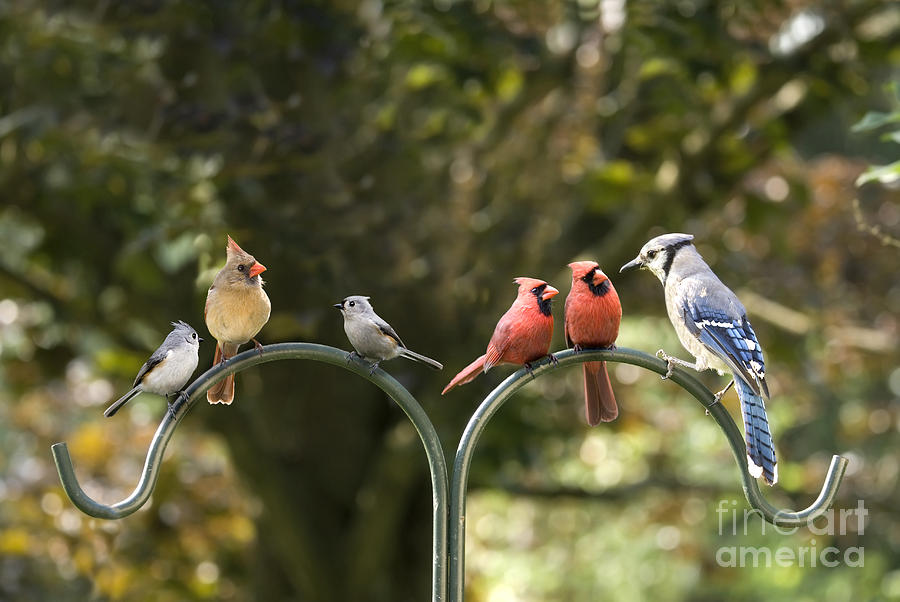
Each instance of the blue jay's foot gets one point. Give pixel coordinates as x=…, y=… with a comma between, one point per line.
x=671, y=362
x=258, y=346
x=374, y=367
x=718, y=396
x=552, y=359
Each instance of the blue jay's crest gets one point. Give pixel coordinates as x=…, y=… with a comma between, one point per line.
x=732, y=340
x=665, y=241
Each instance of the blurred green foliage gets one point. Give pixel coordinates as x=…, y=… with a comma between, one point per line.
x=426, y=154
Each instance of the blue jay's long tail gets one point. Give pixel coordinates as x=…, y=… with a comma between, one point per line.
x=760, y=447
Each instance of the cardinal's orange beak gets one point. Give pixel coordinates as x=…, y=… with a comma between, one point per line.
x=256, y=269
x=599, y=277
x=549, y=293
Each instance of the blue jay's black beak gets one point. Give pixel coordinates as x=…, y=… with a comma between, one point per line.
x=632, y=265
x=338, y=305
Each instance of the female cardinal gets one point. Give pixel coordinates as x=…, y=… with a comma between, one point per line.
x=593, y=313
x=237, y=308
x=522, y=335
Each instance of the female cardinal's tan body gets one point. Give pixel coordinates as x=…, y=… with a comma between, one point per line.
x=237, y=308
x=593, y=313
x=522, y=335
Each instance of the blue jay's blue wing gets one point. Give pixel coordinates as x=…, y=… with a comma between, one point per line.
x=731, y=339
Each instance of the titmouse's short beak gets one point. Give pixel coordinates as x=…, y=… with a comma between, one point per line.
x=338, y=306
x=256, y=269
x=199, y=339
x=549, y=293
x=632, y=265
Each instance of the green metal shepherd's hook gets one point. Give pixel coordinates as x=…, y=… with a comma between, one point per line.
x=437, y=463
x=448, y=520
x=506, y=389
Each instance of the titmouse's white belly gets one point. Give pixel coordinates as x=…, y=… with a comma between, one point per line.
x=368, y=340
x=172, y=373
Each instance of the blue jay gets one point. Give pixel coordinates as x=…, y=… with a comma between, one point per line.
x=712, y=325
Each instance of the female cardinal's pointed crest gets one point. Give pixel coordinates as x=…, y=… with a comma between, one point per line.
x=233, y=247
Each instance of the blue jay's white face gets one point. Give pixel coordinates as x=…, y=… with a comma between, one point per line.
x=654, y=257
x=658, y=254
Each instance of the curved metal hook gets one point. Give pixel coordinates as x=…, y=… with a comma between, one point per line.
x=506, y=389
x=437, y=463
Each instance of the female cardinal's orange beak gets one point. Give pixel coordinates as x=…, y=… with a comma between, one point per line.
x=256, y=269
x=549, y=293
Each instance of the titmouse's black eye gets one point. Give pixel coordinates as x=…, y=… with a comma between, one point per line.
x=352, y=303
x=651, y=254
x=194, y=335
x=241, y=268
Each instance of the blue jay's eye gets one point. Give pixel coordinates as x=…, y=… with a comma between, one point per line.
x=352, y=303
x=651, y=254
x=241, y=268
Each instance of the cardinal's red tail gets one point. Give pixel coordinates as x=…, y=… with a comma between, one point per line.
x=599, y=400
x=467, y=374
x=222, y=391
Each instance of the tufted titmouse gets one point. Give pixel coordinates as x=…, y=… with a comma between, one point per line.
x=237, y=308
x=168, y=369
x=372, y=337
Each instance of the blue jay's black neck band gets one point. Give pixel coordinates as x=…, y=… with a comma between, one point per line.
x=670, y=255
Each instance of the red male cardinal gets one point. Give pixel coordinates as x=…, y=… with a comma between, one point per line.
x=522, y=335
x=593, y=313
x=237, y=308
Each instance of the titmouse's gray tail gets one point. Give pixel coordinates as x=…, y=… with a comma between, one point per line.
x=421, y=358
x=121, y=401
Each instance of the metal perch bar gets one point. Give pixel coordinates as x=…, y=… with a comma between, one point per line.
x=448, y=520
x=506, y=389
x=282, y=351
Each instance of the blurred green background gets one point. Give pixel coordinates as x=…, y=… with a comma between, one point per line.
x=426, y=154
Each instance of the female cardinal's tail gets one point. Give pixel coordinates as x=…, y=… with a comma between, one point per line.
x=223, y=391
x=467, y=374
x=599, y=400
